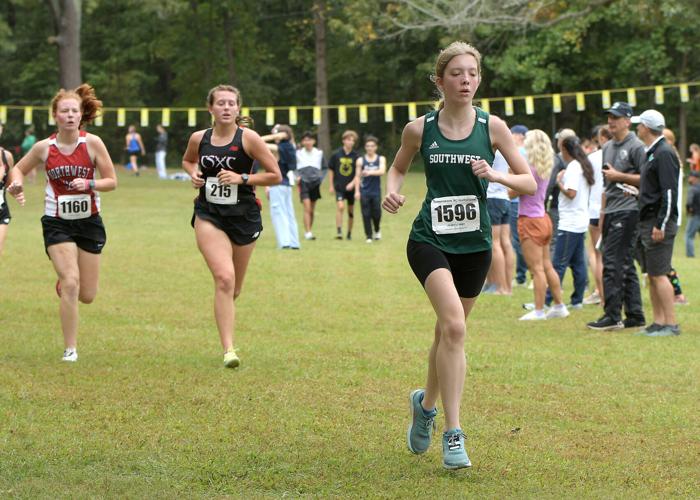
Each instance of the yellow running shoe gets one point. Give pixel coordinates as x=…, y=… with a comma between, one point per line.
x=231, y=359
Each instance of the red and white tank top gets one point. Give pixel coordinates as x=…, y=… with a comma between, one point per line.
x=62, y=201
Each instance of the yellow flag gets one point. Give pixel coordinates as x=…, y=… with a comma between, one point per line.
x=388, y=113
x=363, y=113
x=99, y=119
x=50, y=116
x=121, y=117
x=342, y=114
x=144, y=117
x=685, y=96
x=317, y=115
x=269, y=116
x=165, y=117
x=28, y=111
x=509, y=106
x=436, y=104
x=293, y=115
x=245, y=112
x=530, y=105
x=580, y=101
x=191, y=117
x=659, y=94
x=412, y=113
x=631, y=97
x=485, y=105
x=556, y=103
x=3, y=114
x=606, y=99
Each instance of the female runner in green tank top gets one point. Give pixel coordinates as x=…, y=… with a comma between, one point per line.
x=449, y=246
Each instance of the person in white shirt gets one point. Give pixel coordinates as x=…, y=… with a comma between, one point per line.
x=595, y=257
x=499, y=280
x=309, y=170
x=575, y=186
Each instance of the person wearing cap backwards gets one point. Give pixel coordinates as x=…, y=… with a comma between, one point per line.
x=623, y=157
x=658, y=216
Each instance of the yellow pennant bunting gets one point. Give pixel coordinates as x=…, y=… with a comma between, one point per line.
x=165, y=117
x=245, y=112
x=317, y=115
x=685, y=96
x=606, y=99
x=363, y=113
x=144, y=117
x=530, y=105
x=632, y=97
x=51, y=120
x=28, y=111
x=388, y=113
x=485, y=105
x=412, y=113
x=293, y=115
x=436, y=104
x=269, y=116
x=659, y=94
x=342, y=114
x=191, y=117
x=121, y=117
x=509, y=106
x=556, y=103
x=580, y=101
x=3, y=114
x=99, y=119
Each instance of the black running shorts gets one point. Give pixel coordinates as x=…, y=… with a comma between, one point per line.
x=240, y=229
x=468, y=270
x=89, y=233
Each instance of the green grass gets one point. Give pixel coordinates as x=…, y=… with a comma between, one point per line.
x=332, y=339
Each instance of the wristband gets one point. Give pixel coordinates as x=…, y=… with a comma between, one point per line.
x=91, y=184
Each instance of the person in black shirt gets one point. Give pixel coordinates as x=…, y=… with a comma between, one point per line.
x=658, y=216
x=692, y=206
x=342, y=181
x=226, y=217
x=6, y=164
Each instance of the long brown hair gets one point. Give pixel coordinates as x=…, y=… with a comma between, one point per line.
x=90, y=105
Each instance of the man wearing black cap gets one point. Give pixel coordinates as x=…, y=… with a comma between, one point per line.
x=623, y=157
x=658, y=217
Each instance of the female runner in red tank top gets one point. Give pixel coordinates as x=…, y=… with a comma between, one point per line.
x=73, y=231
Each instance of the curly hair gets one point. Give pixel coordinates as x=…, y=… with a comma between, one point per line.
x=540, y=154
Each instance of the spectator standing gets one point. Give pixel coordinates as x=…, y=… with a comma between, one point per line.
x=161, y=150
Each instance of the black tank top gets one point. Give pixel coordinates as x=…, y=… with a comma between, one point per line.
x=224, y=199
x=3, y=180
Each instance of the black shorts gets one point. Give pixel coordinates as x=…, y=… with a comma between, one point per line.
x=307, y=193
x=5, y=216
x=468, y=270
x=240, y=229
x=655, y=257
x=89, y=234
x=343, y=194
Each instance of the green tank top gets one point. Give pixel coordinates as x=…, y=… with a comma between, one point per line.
x=453, y=216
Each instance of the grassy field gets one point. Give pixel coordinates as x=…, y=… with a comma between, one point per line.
x=332, y=339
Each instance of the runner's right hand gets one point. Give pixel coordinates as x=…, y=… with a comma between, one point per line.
x=392, y=202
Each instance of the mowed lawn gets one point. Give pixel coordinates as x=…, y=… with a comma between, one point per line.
x=332, y=339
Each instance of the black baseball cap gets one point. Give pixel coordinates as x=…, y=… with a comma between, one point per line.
x=620, y=108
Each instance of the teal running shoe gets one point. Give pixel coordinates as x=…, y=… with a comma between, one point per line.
x=422, y=426
x=454, y=456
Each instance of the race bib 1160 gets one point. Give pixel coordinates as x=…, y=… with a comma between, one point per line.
x=221, y=194
x=455, y=214
x=74, y=206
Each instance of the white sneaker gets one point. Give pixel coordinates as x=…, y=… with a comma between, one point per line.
x=577, y=307
x=558, y=311
x=531, y=286
x=309, y=236
x=534, y=315
x=70, y=355
x=592, y=299
x=378, y=235
x=368, y=240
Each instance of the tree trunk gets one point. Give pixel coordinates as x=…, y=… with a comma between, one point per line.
x=66, y=18
x=324, y=133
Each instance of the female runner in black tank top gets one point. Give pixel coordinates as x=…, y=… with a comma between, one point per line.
x=226, y=216
x=6, y=163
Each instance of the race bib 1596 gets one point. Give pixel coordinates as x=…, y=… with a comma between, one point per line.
x=74, y=206
x=221, y=194
x=455, y=214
